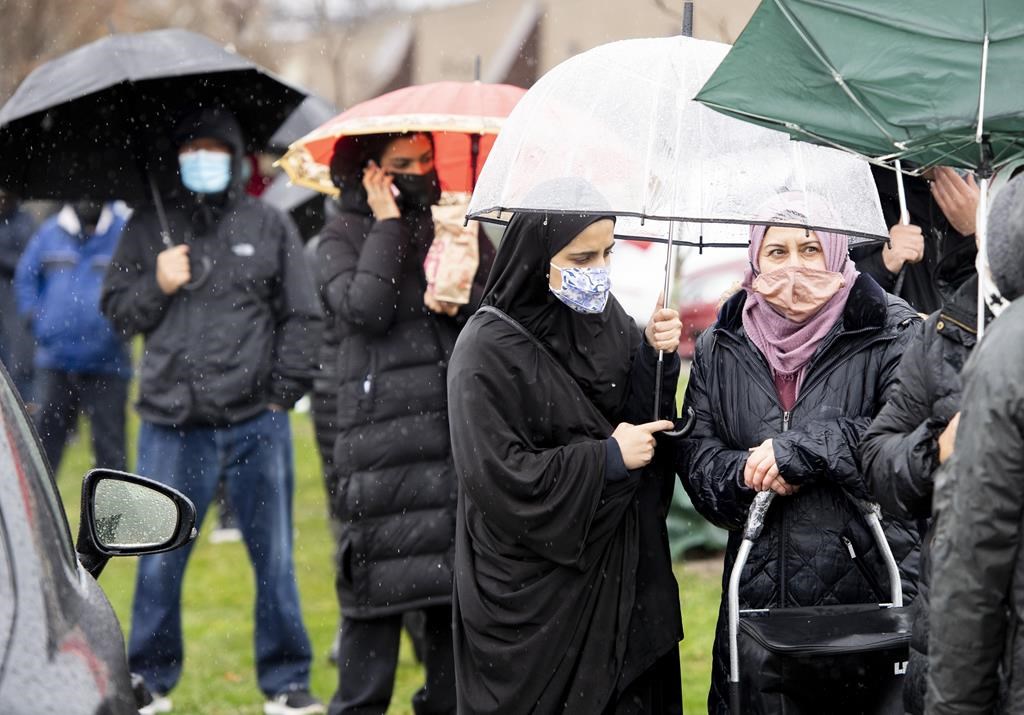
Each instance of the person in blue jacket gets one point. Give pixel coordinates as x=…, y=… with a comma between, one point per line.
x=81, y=364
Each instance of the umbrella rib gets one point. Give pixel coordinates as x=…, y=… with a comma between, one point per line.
x=999, y=158
x=834, y=72
x=481, y=215
x=984, y=74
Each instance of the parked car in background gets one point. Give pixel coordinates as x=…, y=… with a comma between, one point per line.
x=61, y=647
x=703, y=282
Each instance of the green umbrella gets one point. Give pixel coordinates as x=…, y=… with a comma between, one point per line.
x=933, y=82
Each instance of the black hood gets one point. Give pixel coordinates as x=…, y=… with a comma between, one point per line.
x=221, y=125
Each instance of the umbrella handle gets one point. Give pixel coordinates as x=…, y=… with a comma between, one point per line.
x=686, y=429
x=203, y=277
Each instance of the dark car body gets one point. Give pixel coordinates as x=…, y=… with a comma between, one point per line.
x=61, y=647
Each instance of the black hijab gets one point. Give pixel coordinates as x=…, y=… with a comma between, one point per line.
x=596, y=350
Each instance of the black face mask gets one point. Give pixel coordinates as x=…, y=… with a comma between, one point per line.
x=417, y=190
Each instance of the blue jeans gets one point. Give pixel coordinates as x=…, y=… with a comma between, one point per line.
x=255, y=459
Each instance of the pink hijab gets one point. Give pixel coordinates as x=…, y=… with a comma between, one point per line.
x=789, y=346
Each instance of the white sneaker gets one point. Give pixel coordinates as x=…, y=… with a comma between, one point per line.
x=160, y=704
x=225, y=535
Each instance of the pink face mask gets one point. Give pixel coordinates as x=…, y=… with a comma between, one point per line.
x=798, y=293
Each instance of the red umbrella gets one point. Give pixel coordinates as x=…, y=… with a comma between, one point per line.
x=464, y=118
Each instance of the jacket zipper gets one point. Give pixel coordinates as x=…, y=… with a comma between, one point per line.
x=786, y=416
x=864, y=571
x=957, y=323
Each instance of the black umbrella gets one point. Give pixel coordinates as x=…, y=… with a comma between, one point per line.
x=313, y=112
x=306, y=207
x=96, y=122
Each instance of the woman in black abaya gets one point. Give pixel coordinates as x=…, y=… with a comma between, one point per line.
x=565, y=601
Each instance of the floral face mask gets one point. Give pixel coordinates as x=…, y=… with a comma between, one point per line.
x=585, y=290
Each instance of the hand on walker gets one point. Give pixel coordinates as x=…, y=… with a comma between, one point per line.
x=636, y=442
x=664, y=327
x=761, y=473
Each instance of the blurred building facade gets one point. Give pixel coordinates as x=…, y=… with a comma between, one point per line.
x=513, y=41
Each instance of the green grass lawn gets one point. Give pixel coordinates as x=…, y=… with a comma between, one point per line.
x=219, y=676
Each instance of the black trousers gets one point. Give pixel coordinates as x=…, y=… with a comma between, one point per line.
x=368, y=656
x=63, y=395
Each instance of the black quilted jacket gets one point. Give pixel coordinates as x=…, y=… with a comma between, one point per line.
x=803, y=556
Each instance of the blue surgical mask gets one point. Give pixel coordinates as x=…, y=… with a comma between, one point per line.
x=585, y=290
x=205, y=172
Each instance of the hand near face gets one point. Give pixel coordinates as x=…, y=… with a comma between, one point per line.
x=958, y=198
x=379, y=196
x=664, y=327
x=761, y=473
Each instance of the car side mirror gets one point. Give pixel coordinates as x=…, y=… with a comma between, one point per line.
x=124, y=515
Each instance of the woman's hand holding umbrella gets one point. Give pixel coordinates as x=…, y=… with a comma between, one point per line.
x=380, y=192
x=664, y=328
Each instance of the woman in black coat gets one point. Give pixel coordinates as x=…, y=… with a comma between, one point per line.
x=565, y=601
x=395, y=489
x=783, y=385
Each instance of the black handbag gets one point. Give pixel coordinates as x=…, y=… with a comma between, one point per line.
x=845, y=659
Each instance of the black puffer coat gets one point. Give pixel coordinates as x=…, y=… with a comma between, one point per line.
x=802, y=558
x=325, y=391
x=396, y=488
x=900, y=450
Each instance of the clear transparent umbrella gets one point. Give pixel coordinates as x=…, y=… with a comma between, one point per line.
x=620, y=118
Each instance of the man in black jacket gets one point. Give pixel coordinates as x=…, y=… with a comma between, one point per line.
x=975, y=643
x=914, y=434
x=227, y=307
